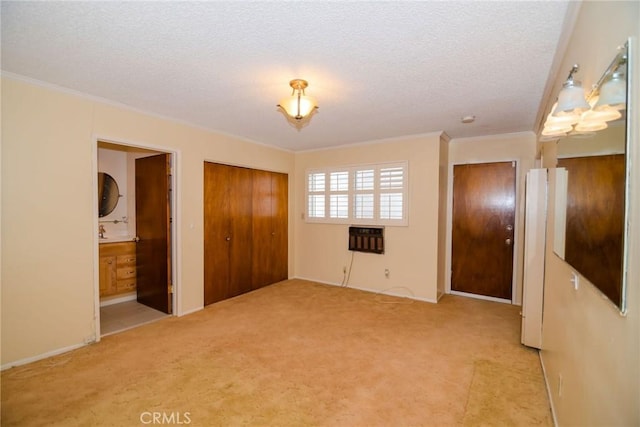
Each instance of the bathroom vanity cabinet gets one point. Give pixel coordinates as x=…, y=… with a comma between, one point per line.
x=117, y=268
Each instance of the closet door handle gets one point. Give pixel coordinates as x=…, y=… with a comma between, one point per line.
x=228, y=238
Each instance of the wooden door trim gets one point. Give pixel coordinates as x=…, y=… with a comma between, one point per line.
x=517, y=244
x=176, y=236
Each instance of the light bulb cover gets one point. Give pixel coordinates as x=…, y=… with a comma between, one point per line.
x=556, y=131
x=613, y=94
x=602, y=115
x=561, y=120
x=571, y=100
x=591, y=126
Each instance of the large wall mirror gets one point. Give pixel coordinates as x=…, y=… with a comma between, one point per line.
x=592, y=213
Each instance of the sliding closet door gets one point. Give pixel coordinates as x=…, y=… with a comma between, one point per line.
x=240, y=230
x=261, y=255
x=270, y=228
x=280, y=223
x=245, y=230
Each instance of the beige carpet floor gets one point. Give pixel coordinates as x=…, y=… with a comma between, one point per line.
x=295, y=353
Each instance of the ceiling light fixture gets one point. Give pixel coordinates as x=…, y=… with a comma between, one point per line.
x=298, y=105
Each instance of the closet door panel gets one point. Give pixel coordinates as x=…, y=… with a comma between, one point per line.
x=280, y=224
x=216, y=232
x=240, y=212
x=261, y=259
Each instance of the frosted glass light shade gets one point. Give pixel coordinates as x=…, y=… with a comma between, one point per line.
x=603, y=115
x=556, y=130
x=590, y=126
x=571, y=100
x=613, y=94
x=569, y=119
x=298, y=106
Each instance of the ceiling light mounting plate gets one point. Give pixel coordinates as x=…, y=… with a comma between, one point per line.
x=298, y=84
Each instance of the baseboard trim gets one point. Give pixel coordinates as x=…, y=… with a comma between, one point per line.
x=42, y=356
x=546, y=383
x=193, y=310
x=374, y=291
x=118, y=300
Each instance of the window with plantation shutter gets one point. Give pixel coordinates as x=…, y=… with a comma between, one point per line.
x=363, y=199
x=391, y=193
x=339, y=195
x=316, y=195
x=374, y=194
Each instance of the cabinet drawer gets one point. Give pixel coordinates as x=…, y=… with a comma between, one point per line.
x=126, y=285
x=125, y=260
x=115, y=249
x=126, y=272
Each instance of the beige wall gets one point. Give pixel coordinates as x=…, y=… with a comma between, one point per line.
x=587, y=345
x=411, y=252
x=519, y=147
x=49, y=246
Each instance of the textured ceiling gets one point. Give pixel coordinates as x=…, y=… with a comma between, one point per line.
x=378, y=69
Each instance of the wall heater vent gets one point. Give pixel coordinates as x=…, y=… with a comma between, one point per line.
x=366, y=239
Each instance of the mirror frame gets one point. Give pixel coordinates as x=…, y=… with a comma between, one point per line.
x=108, y=194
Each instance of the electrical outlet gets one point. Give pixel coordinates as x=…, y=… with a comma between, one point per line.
x=386, y=273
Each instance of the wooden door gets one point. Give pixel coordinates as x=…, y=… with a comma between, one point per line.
x=227, y=231
x=595, y=219
x=216, y=232
x=240, y=220
x=270, y=228
x=280, y=224
x=153, y=228
x=483, y=229
x=262, y=229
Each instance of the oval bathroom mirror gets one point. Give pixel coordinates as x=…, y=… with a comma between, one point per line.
x=108, y=194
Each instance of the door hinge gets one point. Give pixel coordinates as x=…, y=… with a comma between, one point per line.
x=170, y=288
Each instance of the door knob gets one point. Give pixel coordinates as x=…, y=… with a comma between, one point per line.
x=228, y=238
x=507, y=242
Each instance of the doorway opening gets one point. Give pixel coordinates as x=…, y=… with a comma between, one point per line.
x=135, y=236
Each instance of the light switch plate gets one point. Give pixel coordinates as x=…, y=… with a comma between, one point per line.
x=575, y=279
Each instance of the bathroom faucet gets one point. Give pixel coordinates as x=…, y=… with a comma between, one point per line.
x=101, y=231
